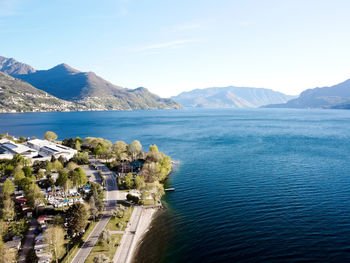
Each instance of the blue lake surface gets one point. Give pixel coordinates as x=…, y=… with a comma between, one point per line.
x=262, y=185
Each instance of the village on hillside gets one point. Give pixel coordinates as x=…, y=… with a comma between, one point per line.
x=55, y=193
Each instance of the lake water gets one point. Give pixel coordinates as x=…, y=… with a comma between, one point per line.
x=258, y=185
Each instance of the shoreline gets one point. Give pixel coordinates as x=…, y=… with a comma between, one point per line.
x=140, y=222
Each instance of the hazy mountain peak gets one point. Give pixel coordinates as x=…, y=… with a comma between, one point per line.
x=327, y=97
x=230, y=97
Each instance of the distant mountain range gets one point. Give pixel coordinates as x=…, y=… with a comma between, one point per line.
x=230, y=97
x=85, y=89
x=333, y=97
x=63, y=88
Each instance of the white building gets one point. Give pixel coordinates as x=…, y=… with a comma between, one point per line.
x=38, y=149
x=47, y=149
x=9, y=148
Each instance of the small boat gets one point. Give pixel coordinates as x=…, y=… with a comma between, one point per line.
x=169, y=189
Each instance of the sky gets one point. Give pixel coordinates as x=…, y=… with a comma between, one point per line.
x=174, y=46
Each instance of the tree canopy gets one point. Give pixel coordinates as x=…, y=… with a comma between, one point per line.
x=50, y=136
x=34, y=195
x=128, y=180
x=78, y=177
x=120, y=150
x=135, y=148
x=54, y=238
x=77, y=218
x=8, y=188
x=93, y=142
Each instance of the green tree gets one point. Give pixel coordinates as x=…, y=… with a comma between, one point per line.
x=153, y=148
x=18, y=174
x=129, y=183
x=68, y=142
x=27, y=171
x=63, y=180
x=17, y=159
x=96, y=199
x=8, y=188
x=3, y=228
x=139, y=182
x=81, y=158
x=25, y=183
x=165, y=167
x=78, y=139
x=135, y=148
x=8, y=209
x=41, y=174
x=98, y=150
x=57, y=220
x=54, y=238
x=50, y=136
x=7, y=255
x=159, y=191
x=93, y=209
x=34, y=196
x=61, y=159
x=78, y=177
x=120, y=150
x=54, y=166
x=93, y=142
x=71, y=166
x=8, y=169
x=105, y=238
x=77, y=218
x=18, y=228
x=150, y=171
x=77, y=145
x=21, y=139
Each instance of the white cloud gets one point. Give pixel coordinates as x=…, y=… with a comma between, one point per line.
x=165, y=45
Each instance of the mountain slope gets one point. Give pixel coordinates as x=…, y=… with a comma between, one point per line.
x=337, y=96
x=11, y=66
x=92, y=91
x=85, y=88
x=230, y=97
x=19, y=96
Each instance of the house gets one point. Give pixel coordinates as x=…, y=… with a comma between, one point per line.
x=44, y=219
x=43, y=257
x=14, y=244
x=8, y=149
x=48, y=149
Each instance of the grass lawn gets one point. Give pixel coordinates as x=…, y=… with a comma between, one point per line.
x=148, y=202
x=109, y=250
x=75, y=248
x=112, y=224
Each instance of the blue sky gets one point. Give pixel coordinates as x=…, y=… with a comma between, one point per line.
x=173, y=46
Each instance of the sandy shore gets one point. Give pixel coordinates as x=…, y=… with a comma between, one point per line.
x=139, y=224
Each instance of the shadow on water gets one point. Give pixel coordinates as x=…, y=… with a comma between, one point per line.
x=155, y=243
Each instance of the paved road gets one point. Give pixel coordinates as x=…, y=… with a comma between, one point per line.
x=92, y=174
x=127, y=243
x=28, y=243
x=111, y=198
